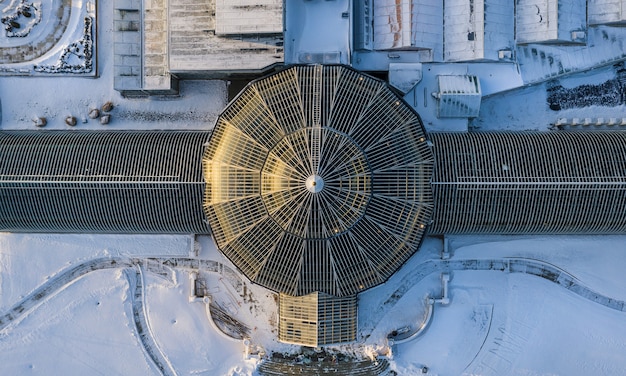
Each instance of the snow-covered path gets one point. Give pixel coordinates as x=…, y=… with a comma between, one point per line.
x=532, y=267
x=56, y=284
x=527, y=266
x=68, y=276
x=144, y=332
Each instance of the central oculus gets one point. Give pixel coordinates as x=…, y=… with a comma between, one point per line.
x=314, y=183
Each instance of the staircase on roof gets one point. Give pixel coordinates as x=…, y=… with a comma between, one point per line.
x=605, y=45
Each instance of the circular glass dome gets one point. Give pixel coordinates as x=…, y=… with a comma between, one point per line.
x=316, y=183
x=318, y=179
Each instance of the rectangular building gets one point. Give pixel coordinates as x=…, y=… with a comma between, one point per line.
x=611, y=12
x=478, y=29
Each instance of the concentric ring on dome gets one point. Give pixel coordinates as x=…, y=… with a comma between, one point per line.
x=315, y=194
x=318, y=179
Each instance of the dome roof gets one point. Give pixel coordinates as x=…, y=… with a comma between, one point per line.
x=318, y=179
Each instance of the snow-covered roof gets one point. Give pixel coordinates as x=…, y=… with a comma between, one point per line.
x=404, y=76
x=606, y=12
x=477, y=31
x=248, y=17
x=196, y=46
x=553, y=21
x=406, y=24
x=318, y=32
x=392, y=24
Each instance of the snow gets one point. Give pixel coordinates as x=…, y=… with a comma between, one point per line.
x=85, y=329
x=497, y=322
x=507, y=323
x=526, y=107
x=195, y=108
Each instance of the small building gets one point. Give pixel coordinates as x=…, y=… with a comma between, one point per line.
x=156, y=43
x=609, y=12
x=458, y=96
x=317, y=31
x=478, y=30
x=551, y=21
x=317, y=319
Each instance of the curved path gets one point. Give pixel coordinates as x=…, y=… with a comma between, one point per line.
x=152, y=349
x=413, y=332
x=58, y=283
x=510, y=265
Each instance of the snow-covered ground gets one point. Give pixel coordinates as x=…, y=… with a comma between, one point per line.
x=132, y=317
x=497, y=322
x=55, y=98
x=500, y=323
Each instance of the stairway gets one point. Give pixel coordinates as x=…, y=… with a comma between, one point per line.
x=127, y=46
x=141, y=48
x=156, y=76
x=605, y=45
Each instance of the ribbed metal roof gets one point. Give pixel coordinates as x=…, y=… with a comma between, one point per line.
x=102, y=181
x=529, y=183
x=318, y=180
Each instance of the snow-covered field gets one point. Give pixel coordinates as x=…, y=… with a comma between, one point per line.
x=500, y=323
x=137, y=318
x=497, y=323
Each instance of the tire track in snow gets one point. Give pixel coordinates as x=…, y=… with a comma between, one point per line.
x=65, y=278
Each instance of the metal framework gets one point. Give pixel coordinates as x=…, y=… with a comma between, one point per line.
x=318, y=179
x=317, y=319
x=529, y=183
x=101, y=182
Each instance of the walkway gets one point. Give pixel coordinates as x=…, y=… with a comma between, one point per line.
x=63, y=279
x=159, y=266
x=55, y=284
x=135, y=280
x=510, y=265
